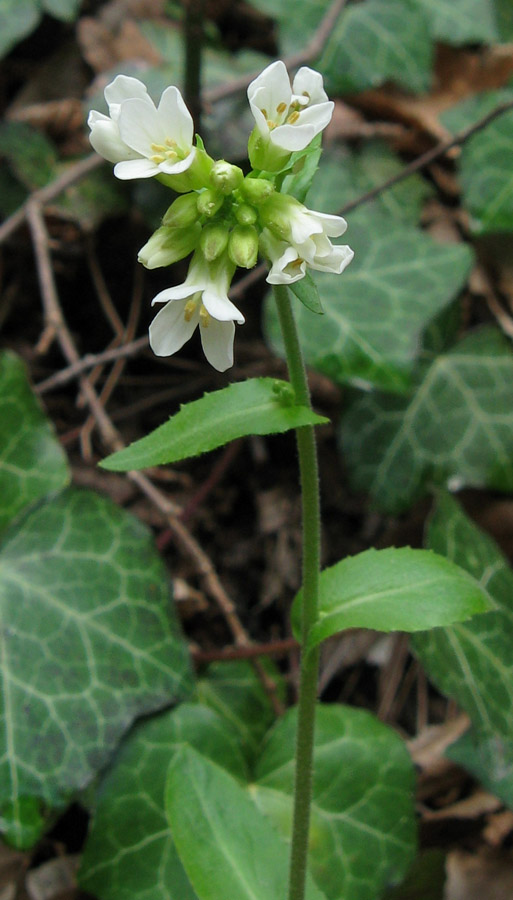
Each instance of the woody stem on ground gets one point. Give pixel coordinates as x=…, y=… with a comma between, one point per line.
x=193, y=39
x=307, y=452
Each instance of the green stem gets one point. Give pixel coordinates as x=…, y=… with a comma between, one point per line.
x=307, y=452
x=193, y=39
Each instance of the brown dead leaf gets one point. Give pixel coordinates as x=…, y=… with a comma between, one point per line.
x=50, y=880
x=484, y=876
x=104, y=47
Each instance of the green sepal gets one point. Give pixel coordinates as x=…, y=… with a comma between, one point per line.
x=306, y=291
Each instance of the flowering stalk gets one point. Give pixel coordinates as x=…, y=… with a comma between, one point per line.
x=311, y=521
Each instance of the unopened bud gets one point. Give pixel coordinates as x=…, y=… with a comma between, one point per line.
x=182, y=212
x=225, y=177
x=213, y=240
x=246, y=214
x=256, y=190
x=168, y=245
x=243, y=246
x=210, y=201
x=276, y=213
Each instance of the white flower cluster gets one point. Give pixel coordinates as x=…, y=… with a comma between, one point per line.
x=223, y=218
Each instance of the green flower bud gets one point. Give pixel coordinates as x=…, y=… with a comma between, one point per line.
x=243, y=246
x=213, y=240
x=246, y=214
x=225, y=177
x=276, y=213
x=182, y=212
x=210, y=201
x=168, y=245
x=256, y=190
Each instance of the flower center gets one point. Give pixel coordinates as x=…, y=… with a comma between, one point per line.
x=284, y=113
x=169, y=151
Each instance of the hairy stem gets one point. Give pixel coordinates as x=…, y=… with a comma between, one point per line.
x=307, y=452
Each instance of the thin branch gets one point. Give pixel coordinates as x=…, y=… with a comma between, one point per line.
x=273, y=648
x=75, y=172
x=312, y=50
x=89, y=362
x=427, y=158
x=112, y=439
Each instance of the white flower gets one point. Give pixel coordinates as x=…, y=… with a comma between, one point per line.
x=201, y=300
x=296, y=237
x=290, y=117
x=143, y=140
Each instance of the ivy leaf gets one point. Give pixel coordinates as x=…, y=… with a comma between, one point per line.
x=488, y=760
x=89, y=642
x=31, y=156
x=17, y=19
x=378, y=41
x=235, y=692
x=32, y=462
x=464, y=22
x=247, y=407
x=472, y=662
x=457, y=427
x=65, y=10
x=346, y=174
x=130, y=808
x=362, y=807
x=227, y=847
x=375, y=313
x=393, y=590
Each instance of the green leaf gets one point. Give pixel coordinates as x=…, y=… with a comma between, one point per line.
x=89, y=643
x=472, y=662
x=17, y=19
x=32, y=462
x=307, y=293
x=486, y=178
x=94, y=199
x=304, y=167
x=247, y=407
x=236, y=693
x=130, y=850
x=227, y=847
x=374, y=42
x=31, y=156
x=464, y=22
x=363, y=820
x=66, y=10
x=346, y=174
x=457, y=427
x=489, y=761
x=393, y=590
x=298, y=21
x=376, y=311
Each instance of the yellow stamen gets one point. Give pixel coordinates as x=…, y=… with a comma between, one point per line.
x=297, y=262
x=171, y=143
x=306, y=94
x=293, y=117
x=271, y=124
x=264, y=112
x=158, y=158
x=204, y=317
x=281, y=108
x=190, y=309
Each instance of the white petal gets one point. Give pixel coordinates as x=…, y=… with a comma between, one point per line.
x=124, y=88
x=181, y=166
x=221, y=308
x=175, y=118
x=319, y=116
x=140, y=127
x=260, y=120
x=275, y=84
x=105, y=139
x=333, y=226
x=177, y=293
x=282, y=272
x=336, y=262
x=169, y=330
x=217, y=341
x=309, y=81
x=303, y=226
x=293, y=137
x=135, y=168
